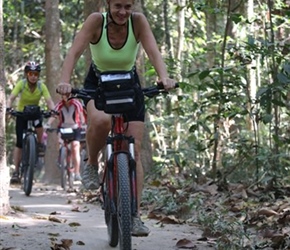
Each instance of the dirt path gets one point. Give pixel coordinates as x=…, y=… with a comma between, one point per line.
x=70, y=218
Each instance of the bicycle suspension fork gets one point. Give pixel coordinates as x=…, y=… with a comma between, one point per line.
x=110, y=172
x=133, y=176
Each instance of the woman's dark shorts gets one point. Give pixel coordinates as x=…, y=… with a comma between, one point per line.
x=21, y=125
x=77, y=136
x=91, y=82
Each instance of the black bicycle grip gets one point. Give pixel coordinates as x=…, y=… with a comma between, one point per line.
x=161, y=86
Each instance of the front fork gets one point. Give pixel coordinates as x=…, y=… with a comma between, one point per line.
x=110, y=174
x=24, y=156
x=133, y=177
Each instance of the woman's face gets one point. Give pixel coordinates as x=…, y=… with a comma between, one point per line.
x=121, y=10
x=32, y=76
x=64, y=98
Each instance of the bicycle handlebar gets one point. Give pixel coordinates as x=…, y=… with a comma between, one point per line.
x=148, y=92
x=156, y=90
x=44, y=113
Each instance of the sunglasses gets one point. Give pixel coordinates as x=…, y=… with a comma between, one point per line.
x=33, y=73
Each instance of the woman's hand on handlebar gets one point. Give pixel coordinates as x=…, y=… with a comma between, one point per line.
x=167, y=83
x=64, y=88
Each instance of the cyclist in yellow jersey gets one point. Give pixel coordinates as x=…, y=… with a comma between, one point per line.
x=30, y=91
x=114, y=38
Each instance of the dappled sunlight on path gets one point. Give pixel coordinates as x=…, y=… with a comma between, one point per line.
x=51, y=215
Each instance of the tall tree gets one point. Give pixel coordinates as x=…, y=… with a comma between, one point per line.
x=53, y=65
x=4, y=184
x=91, y=6
x=146, y=150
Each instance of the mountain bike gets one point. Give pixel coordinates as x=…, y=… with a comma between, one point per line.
x=31, y=114
x=119, y=182
x=64, y=156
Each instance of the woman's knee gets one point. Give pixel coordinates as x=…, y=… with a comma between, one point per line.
x=98, y=123
x=76, y=146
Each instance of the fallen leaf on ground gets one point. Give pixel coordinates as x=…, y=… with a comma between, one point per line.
x=54, y=219
x=171, y=220
x=76, y=209
x=54, y=234
x=18, y=208
x=185, y=243
x=2, y=217
x=85, y=210
x=16, y=226
x=55, y=213
x=267, y=212
x=40, y=217
x=64, y=245
x=152, y=215
x=209, y=232
x=74, y=224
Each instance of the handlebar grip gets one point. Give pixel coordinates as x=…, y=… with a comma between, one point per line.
x=161, y=86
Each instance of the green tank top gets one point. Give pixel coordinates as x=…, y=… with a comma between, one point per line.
x=107, y=58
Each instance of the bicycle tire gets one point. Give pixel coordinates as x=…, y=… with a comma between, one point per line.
x=70, y=170
x=31, y=154
x=71, y=178
x=63, y=167
x=124, y=202
x=83, y=155
x=110, y=213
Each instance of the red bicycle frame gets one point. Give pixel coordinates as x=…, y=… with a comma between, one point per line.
x=116, y=143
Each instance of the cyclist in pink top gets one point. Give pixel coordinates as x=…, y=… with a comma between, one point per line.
x=71, y=115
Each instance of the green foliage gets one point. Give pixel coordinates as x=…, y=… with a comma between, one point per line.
x=228, y=120
x=233, y=96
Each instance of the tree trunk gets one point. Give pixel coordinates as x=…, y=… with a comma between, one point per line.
x=180, y=48
x=4, y=171
x=53, y=65
x=91, y=6
x=146, y=149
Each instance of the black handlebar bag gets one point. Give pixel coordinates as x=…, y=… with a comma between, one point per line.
x=116, y=92
x=32, y=112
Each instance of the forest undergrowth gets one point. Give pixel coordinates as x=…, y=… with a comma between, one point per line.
x=232, y=215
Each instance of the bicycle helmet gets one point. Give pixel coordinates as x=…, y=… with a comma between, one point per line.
x=32, y=66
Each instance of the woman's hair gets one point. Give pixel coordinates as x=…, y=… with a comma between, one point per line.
x=137, y=6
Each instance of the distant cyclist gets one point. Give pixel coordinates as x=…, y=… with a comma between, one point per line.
x=30, y=90
x=71, y=115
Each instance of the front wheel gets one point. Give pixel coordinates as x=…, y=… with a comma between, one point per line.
x=83, y=156
x=110, y=209
x=30, y=162
x=124, y=202
x=63, y=167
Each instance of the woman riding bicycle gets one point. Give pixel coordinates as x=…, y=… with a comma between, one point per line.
x=71, y=115
x=114, y=38
x=30, y=91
